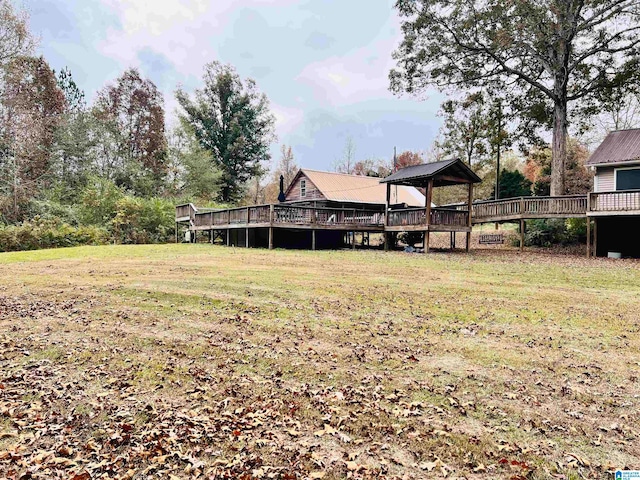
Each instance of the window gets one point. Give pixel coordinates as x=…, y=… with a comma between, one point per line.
x=303, y=188
x=628, y=179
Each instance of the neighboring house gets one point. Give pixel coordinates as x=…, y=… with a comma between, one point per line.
x=614, y=204
x=328, y=189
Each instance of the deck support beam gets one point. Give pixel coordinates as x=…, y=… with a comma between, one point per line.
x=228, y=235
x=522, y=227
x=469, y=213
x=246, y=239
x=427, y=201
x=272, y=216
x=588, y=237
x=386, y=217
x=595, y=237
x=313, y=239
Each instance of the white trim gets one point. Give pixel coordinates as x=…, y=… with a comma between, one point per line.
x=615, y=175
x=614, y=164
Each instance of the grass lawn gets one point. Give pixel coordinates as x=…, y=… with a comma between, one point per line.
x=184, y=360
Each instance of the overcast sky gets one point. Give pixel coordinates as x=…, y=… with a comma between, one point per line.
x=323, y=64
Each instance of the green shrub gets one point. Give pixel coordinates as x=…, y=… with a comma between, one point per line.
x=40, y=233
x=555, y=231
x=140, y=220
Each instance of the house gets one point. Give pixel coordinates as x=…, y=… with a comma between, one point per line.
x=338, y=190
x=614, y=204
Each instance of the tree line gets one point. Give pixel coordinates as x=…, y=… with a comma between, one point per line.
x=111, y=163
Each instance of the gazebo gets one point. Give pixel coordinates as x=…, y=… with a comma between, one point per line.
x=444, y=219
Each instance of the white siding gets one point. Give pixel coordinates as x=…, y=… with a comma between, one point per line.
x=604, y=180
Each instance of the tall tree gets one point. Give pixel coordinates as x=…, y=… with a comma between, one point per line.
x=467, y=128
x=133, y=142
x=31, y=108
x=75, y=143
x=73, y=94
x=557, y=51
x=15, y=38
x=196, y=178
x=232, y=121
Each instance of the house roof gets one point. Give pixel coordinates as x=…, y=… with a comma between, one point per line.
x=444, y=172
x=340, y=187
x=619, y=146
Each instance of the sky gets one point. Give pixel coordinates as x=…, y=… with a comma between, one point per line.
x=323, y=64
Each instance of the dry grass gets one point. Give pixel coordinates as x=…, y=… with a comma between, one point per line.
x=146, y=362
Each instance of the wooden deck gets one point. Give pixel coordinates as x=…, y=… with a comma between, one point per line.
x=524, y=208
x=320, y=218
x=452, y=218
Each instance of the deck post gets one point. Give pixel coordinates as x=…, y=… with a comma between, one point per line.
x=588, y=237
x=228, y=237
x=271, y=217
x=353, y=240
x=595, y=237
x=313, y=239
x=386, y=218
x=427, y=213
x=522, y=227
x=469, y=213
x=246, y=239
x=176, y=232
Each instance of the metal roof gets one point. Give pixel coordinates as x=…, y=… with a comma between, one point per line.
x=340, y=187
x=417, y=175
x=617, y=147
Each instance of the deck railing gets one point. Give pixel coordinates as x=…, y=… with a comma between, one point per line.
x=326, y=216
x=418, y=216
x=186, y=211
x=619, y=201
x=282, y=214
x=453, y=215
x=522, y=207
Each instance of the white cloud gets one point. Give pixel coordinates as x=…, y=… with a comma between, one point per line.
x=287, y=119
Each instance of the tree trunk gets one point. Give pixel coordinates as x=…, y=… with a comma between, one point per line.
x=559, y=148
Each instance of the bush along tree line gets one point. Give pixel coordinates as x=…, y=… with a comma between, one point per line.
x=73, y=173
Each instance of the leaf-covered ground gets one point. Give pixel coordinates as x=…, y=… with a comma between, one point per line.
x=197, y=361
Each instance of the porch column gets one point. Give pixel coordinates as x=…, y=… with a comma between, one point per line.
x=588, y=237
x=427, y=201
x=271, y=216
x=246, y=239
x=595, y=237
x=469, y=213
x=386, y=218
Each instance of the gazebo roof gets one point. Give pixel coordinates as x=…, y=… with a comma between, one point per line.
x=444, y=172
